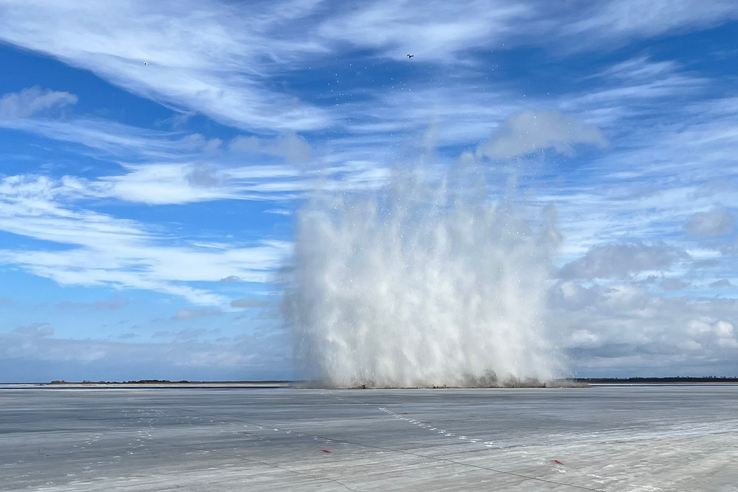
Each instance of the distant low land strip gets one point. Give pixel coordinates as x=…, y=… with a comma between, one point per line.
x=661, y=380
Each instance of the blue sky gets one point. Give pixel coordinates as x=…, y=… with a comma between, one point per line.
x=153, y=154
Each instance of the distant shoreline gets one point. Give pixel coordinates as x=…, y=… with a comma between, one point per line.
x=153, y=383
x=665, y=380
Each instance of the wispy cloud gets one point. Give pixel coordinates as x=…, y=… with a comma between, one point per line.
x=249, y=303
x=216, y=72
x=196, y=313
x=110, y=304
x=621, y=20
x=103, y=250
x=438, y=31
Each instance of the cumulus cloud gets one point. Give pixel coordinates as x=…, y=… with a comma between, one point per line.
x=231, y=279
x=672, y=284
x=713, y=223
x=196, y=313
x=533, y=131
x=198, y=142
x=203, y=175
x=573, y=295
x=29, y=102
x=621, y=260
x=35, y=330
x=697, y=264
x=248, y=303
x=719, y=332
x=186, y=334
x=289, y=146
x=721, y=283
x=625, y=329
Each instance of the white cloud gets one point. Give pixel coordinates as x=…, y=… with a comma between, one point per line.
x=721, y=283
x=623, y=328
x=278, y=211
x=110, y=304
x=218, y=72
x=716, y=222
x=437, y=31
x=196, y=313
x=28, y=102
x=186, y=334
x=231, y=279
x=621, y=260
x=103, y=250
x=533, y=131
x=203, y=175
x=249, y=303
x=225, y=71
x=182, y=168
x=35, y=330
x=199, y=142
x=640, y=68
x=289, y=146
x=443, y=32
x=179, y=183
x=673, y=284
x=111, y=138
x=624, y=19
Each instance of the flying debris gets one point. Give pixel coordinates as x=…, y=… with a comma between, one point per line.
x=410, y=56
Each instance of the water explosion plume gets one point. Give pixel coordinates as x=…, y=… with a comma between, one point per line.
x=427, y=282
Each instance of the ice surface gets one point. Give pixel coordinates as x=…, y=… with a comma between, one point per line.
x=646, y=438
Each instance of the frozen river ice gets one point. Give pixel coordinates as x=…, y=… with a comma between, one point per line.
x=630, y=438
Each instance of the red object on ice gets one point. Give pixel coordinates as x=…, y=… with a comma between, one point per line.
x=558, y=462
x=326, y=451
x=247, y=433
